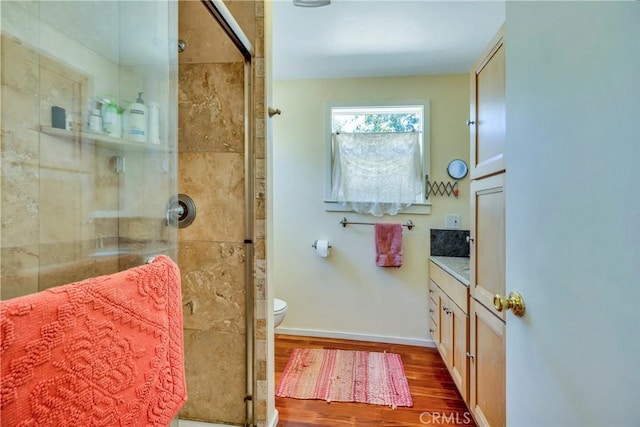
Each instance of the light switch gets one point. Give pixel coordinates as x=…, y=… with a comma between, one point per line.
x=452, y=221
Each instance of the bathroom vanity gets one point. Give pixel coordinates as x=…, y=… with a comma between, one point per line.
x=449, y=315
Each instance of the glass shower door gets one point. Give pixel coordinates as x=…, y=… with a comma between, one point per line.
x=88, y=145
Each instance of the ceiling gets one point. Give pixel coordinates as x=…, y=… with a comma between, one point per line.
x=375, y=38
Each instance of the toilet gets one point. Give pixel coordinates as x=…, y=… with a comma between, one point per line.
x=279, y=311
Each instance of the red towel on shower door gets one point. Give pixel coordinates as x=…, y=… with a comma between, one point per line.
x=388, y=245
x=106, y=351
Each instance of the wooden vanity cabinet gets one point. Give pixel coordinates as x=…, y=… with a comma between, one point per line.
x=451, y=297
x=487, y=389
x=487, y=370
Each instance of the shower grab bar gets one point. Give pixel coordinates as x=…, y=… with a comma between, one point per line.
x=344, y=222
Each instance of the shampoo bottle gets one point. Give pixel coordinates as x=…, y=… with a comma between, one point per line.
x=138, y=120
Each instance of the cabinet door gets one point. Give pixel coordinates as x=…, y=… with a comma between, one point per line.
x=487, y=123
x=487, y=367
x=487, y=261
x=445, y=345
x=460, y=340
x=434, y=313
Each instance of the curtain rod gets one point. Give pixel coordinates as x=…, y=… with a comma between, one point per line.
x=374, y=133
x=344, y=222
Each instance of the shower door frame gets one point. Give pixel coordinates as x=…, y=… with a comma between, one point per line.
x=232, y=29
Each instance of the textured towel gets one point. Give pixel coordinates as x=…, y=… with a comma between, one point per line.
x=388, y=245
x=106, y=351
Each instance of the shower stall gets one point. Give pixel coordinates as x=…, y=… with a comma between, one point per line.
x=88, y=189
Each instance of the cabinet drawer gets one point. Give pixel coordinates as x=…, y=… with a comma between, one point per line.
x=433, y=293
x=457, y=291
x=433, y=303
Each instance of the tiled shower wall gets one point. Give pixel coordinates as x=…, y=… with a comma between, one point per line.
x=66, y=214
x=211, y=251
x=51, y=185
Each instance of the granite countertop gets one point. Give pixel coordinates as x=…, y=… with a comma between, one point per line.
x=458, y=267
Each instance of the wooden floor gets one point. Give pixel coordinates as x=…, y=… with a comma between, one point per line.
x=436, y=400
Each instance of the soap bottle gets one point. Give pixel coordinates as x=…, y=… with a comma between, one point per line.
x=138, y=120
x=111, y=118
x=95, y=121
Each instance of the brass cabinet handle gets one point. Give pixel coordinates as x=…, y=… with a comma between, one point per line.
x=514, y=302
x=470, y=356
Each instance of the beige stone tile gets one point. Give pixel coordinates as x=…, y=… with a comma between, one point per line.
x=259, y=248
x=259, y=67
x=19, y=266
x=260, y=269
x=261, y=371
x=260, y=169
x=206, y=41
x=67, y=262
x=261, y=329
x=20, y=66
x=211, y=108
x=258, y=90
x=63, y=210
x=259, y=8
x=260, y=228
x=260, y=289
x=260, y=126
x=260, y=190
x=259, y=147
x=215, y=181
x=59, y=87
x=258, y=43
x=19, y=109
x=20, y=188
x=63, y=154
x=216, y=372
x=213, y=284
x=244, y=13
x=260, y=206
x=142, y=229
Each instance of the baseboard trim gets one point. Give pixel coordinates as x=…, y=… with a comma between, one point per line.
x=275, y=419
x=356, y=337
x=189, y=423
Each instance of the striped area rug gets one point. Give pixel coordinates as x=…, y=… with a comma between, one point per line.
x=345, y=376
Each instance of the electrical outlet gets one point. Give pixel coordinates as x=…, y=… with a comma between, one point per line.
x=452, y=221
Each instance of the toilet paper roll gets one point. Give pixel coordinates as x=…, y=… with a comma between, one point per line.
x=322, y=248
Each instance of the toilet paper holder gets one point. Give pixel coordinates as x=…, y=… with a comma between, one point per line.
x=315, y=245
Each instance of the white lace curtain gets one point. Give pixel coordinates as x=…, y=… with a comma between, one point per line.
x=376, y=173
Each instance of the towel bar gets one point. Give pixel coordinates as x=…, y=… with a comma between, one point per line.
x=345, y=222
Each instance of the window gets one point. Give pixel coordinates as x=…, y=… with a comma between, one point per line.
x=378, y=157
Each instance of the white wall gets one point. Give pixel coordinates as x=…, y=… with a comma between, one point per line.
x=573, y=212
x=346, y=293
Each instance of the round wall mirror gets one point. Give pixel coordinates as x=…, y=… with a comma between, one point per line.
x=457, y=169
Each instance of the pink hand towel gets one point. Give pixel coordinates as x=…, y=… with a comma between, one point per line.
x=106, y=351
x=388, y=245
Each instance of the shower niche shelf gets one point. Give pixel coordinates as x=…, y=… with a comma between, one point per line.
x=103, y=141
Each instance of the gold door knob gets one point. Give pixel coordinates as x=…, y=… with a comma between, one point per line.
x=514, y=302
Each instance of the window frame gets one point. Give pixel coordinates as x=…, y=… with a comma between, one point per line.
x=420, y=208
